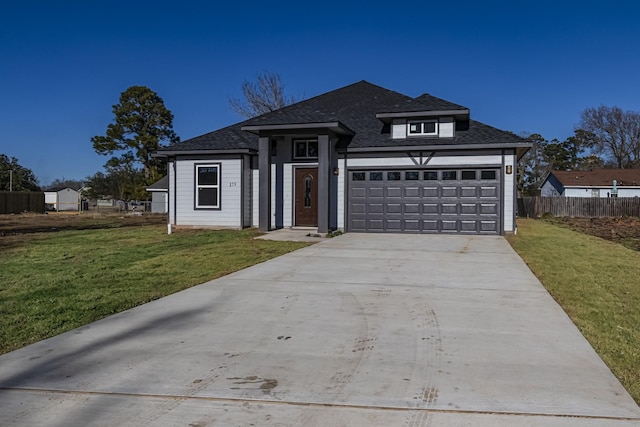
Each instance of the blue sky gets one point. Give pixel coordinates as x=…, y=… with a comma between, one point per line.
x=523, y=66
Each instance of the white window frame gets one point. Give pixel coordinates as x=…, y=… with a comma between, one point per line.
x=307, y=156
x=198, y=186
x=421, y=124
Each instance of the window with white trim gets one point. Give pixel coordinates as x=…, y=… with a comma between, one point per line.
x=422, y=127
x=207, y=186
x=305, y=149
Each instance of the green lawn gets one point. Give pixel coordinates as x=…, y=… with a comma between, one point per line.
x=597, y=283
x=53, y=282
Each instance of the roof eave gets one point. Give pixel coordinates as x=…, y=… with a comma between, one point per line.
x=440, y=147
x=336, y=127
x=458, y=114
x=171, y=153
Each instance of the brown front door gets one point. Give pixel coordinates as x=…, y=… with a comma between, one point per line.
x=306, y=204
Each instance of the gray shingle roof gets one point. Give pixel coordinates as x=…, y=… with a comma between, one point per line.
x=598, y=177
x=424, y=102
x=228, y=138
x=160, y=185
x=355, y=106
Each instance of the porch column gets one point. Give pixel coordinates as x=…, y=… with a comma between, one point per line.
x=264, y=179
x=324, y=175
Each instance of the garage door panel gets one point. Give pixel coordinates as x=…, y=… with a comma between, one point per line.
x=430, y=192
x=358, y=192
x=394, y=192
x=469, y=209
x=488, y=209
x=425, y=203
x=375, y=208
x=375, y=224
x=467, y=191
x=412, y=192
x=359, y=225
x=430, y=208
x=394, y=208
x=449, y=225
x=394, y=224
x=489, y=191
x=449, y=191
x=489, y=226
x=449, y=208
x=411, y=208
x=359, y=208
x=375, y=192
x=430, y=225
x=468, y=226
x=412, y=225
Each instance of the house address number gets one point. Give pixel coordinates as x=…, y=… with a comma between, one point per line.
x=233, y=184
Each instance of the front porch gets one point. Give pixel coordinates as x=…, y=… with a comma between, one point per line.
x=298, y=175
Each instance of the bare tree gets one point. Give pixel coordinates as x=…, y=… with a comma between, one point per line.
x=261, y=96
x=616, y=134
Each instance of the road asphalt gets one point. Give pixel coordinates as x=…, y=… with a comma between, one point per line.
x=358, y=330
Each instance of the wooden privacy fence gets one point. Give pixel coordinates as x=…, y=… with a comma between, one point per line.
x=585, y=207
x=12, y=202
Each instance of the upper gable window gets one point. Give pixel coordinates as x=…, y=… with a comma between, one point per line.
x=422, y=127
x=305, y=149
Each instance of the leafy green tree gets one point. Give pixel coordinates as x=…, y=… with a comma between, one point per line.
x=142, y=123
x=545, y=156
x=121, y=183
x=62, y=182
x=15, y=177
x=563, y=155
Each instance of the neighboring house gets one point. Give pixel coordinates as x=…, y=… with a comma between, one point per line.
x=159, y=199
x=595, y=183
x=361, y=159
x=62, y=199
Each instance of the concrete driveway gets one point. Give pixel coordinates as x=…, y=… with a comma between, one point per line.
x=359, y=330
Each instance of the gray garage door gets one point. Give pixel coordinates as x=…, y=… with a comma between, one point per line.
x=425, y=201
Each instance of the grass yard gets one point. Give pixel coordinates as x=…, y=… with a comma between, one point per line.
x=597, y=282
x=53, y=282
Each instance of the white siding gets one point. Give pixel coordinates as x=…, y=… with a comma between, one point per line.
x=435, y=161
x=579, y=192
x=623, y=192
x=399, y=129
x=446, y=127
x=287, y=195
x=229, y=215
x=604, y=192
x=50, y=197
x=548, y=190
x=273, y=195
x=255, y=209
x=508, y=187
x=171, y=205
x=341, y=201
x=247, y=191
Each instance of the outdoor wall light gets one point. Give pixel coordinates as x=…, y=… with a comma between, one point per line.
x=509, y=169
x=336, y=171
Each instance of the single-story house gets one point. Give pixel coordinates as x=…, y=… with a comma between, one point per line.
x=361, y=158
x=593, y=183
x=159, y=191
x=62, y=199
